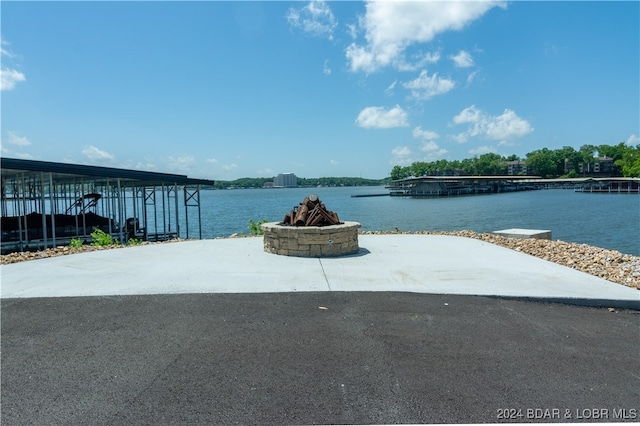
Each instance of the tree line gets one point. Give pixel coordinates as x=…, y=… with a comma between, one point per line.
x=308, y=182
x=546, y=163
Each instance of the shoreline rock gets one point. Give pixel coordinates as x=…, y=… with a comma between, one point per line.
x=608, y=264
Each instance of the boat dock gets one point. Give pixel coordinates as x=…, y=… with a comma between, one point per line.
x=369, y=195
x=439, y=186
x=46, y=204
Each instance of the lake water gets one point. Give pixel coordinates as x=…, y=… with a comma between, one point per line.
x=604, y=220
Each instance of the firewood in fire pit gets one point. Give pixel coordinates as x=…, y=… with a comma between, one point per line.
x=311, y=212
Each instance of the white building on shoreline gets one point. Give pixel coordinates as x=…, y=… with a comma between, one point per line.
x=285, y=180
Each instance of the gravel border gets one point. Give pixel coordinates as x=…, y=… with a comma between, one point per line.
x=610, y=265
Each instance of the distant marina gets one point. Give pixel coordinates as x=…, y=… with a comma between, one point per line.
x=438, y=186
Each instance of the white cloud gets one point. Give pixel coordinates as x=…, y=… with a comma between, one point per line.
x=14, y=139
x=468, y=115
x=182, y=164
x=504, y=127
x=360, y=58
x=333, y=162
x=96, y=154
x=471, y=77
x=633, y=140
x=10, y=153
x=326, y=70
x=4, y=51
x=352, y=30
x=9, y=78
x=23, y=156
x=392, y=26
x=379, y=118
x=460, y=137
x=425, y=87
x=417, y=61
x=229, y=167
x=389, y=90
x=426, y=135
x=482, y=150
x=211, y=160
x=432, y=151
x=316, y=18
x=431, y=58
x=266, y=172
x=429, y=146
x=462, y=60
x=401, y=155
x=145, y=166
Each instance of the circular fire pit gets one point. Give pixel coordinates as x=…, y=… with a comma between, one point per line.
x=311, y=241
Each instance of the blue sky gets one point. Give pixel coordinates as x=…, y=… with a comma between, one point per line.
x=224, y=90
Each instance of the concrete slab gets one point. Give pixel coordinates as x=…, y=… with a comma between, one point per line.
x=456, y=265
x=203, y=266
x=542, y=234
x=412, y=263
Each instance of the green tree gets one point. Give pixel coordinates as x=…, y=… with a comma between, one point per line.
x=630, y=162
x=399, y=172
x=468, y=165
x=491, y=164
x=587, y=153
x=543, y=163
x=616, y=152
x=573, y=158
x=419, y=168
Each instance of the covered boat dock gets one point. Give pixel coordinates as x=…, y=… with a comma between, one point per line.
x=46, y=204
x=438, y=186
x=430, y=186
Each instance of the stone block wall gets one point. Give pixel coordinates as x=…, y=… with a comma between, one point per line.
x=311, y=241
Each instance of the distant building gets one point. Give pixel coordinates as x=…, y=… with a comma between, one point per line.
x=605, y=166
x=518, y=167
x=285, y=180
x=602, y=166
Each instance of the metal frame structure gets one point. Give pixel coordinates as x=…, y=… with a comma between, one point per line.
x=429, y=186
x=46, y=204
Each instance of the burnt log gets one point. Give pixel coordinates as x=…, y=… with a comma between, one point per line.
x=311, y=212
x=301, y=215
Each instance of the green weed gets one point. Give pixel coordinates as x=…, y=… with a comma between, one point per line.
x=101, y=238
x=254, y=226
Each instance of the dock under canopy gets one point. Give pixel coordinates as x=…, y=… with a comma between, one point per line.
x=46, y=204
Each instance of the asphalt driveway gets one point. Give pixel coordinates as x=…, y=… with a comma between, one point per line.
x=315, y=358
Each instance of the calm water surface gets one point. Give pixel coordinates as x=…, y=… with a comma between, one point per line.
x=604, y=220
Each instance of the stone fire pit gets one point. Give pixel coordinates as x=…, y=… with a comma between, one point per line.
x=310, y=230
